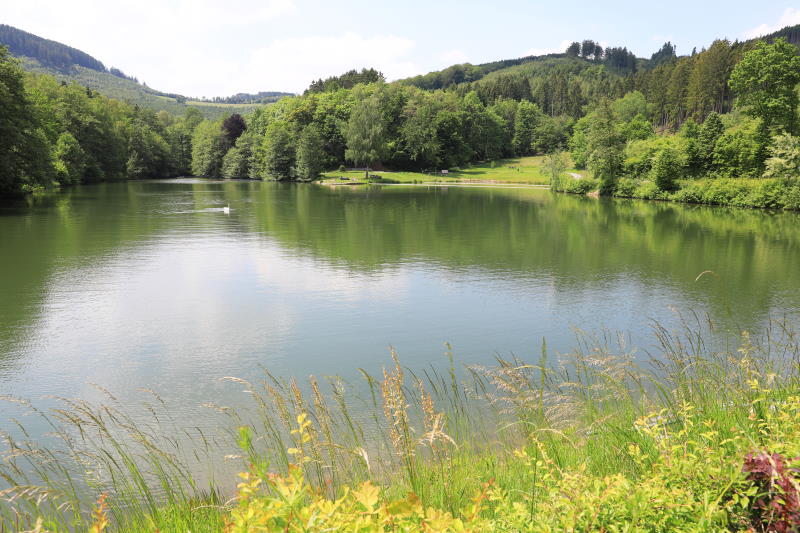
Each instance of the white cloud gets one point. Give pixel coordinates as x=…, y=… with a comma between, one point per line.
x=193, y=47
x=560, y=49
x=453, y=57
x=209, y=47
x=790, y=17
x=297, y=61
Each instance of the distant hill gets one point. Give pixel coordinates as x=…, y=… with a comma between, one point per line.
x=65, y=63
x=615, y=60
x=47, y=52
x=790, y=33
x=263, y=97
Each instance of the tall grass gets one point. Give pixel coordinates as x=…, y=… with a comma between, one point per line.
x=439, y=434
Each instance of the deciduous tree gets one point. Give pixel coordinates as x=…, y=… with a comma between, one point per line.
x=765, y=82
x=365, y=133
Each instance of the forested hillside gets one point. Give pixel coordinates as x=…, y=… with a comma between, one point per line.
x=71, y=65
x=49, y=53
x=617, y=60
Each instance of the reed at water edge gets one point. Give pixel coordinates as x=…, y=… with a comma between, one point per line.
x=568, y=437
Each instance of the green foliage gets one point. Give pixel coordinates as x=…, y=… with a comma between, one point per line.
x=77, y=136
x=626, y=188
x=348, y=80
x=695, y=158
x=310, y=154
x=735, y=192
x=179, y=138
x=579, y=143
x=25, y=158
x=640, y=154
x=365, y=133
x=632, y=105
x=209, y=146
x=574, y=49
x=636, y=129
x=664, y=55
x=739, y=152
x=70, y=160
x=666, y=170
x=526, y=120
x=419, y=132
x=710, y=132
x=576, y=186
x=765, y=81
x=784, y=162
x=238, y=161
x=493, y=111
x=606, y=148
x=555, y=164
x=277, y=153
x=552, y=134
x=791, y=197
x=149, y=153
x=707, y=89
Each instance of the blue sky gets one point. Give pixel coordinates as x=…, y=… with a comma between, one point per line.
x=212, y=48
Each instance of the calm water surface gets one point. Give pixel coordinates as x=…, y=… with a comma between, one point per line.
x=150, y=285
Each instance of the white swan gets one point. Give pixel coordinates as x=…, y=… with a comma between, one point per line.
x=227, y=209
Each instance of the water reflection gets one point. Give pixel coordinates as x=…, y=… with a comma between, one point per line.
x=149, y=284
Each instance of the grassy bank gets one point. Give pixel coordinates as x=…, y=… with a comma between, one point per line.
x=525, y=170
x=701, y=437
x=750, y=193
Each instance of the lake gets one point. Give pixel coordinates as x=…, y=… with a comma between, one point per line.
x=151, y=285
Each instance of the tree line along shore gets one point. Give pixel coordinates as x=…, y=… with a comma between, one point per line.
x=716, y=127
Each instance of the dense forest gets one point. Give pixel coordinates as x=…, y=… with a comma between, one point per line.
x=701, y=115
x=57, y=132
x=639, y=125
x=348, y=80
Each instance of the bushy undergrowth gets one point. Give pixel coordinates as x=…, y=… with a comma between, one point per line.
x=706, y=438
x=753, y=193
x=759, y=193
x=576, y=186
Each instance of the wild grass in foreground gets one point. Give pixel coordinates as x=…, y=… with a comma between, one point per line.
x=704, y=437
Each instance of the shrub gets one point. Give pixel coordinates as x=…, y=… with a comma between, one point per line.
x=581, y=186
x=626, y=188
x=650, y=191
x=691, y=193
x=785, y=158
x=666, y=169
x=790, y=199
x=763, y=193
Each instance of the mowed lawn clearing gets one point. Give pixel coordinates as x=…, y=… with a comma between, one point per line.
x=525, y=170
